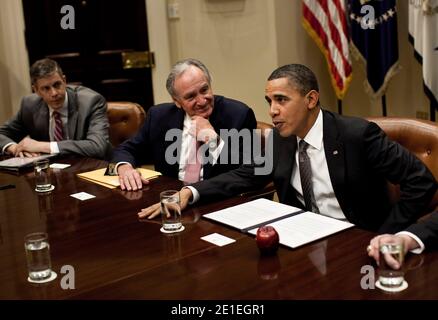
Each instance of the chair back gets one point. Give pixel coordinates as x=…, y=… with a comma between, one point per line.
x=418, y=136
x=125, y=119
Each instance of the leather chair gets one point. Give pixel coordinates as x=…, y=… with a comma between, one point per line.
x=418, y=136
x=269, y=190
x=125, y=119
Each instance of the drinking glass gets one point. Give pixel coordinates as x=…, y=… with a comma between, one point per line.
x=37, y=250
x=170, y=211
x=42, y=176
x=391, y=257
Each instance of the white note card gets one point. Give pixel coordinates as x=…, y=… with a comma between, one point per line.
x=218, y=239
x=82, y=196
x=59, y=165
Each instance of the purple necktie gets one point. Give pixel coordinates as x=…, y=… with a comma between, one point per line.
x=57, y=132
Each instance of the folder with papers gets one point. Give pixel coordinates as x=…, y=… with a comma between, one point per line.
x=98, y=176
x=294, y=226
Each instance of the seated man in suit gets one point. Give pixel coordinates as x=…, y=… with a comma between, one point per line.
x=57, y=118
x=326, y=163
x=195, y=116
x=416, y=238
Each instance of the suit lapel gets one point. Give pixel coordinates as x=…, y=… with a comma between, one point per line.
x=286, y=148
x=334, y=153
x=41, y=120
x=176, y=120
x=72, y=113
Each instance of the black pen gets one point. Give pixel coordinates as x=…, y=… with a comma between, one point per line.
x=7, y=186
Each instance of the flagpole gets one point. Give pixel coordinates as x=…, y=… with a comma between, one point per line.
x=384, y=105
x=340, y=106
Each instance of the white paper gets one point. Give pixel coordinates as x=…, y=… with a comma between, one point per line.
x=306, y=227
x=251, y=213
x=59, y=165
x=17, y=162
x=218, y=239
x=82, y=196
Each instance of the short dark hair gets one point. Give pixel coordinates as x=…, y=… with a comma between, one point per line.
x=298, y=75
x=181, y=66
x=43, y=68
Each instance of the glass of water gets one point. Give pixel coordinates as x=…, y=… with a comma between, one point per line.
x=42, y=176
x=391, y=257
x=170, y=211
x=37, y=250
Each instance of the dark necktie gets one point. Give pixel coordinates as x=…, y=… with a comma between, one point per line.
x=57, y=131
x=306, y=177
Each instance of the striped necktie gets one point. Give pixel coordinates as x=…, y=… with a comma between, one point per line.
x=306, y=178
x=58, y=133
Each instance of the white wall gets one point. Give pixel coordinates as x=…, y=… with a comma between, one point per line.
x=236, y=41
x=14, y=65
x=159, y=43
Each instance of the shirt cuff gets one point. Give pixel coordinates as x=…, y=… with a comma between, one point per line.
x=119, y=164
x=215, y=149
x=195, y=194
x=413, y=236
x=54, y=147
x=6, y=146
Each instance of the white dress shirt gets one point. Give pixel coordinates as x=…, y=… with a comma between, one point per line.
x=322, y=185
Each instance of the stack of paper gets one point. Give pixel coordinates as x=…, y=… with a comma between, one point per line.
x=98, y=176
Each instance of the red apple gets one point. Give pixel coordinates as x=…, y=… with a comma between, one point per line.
x=267, y=239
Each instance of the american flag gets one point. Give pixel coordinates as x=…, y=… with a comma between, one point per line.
x=326, y=23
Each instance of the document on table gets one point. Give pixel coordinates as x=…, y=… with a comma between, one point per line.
x=306, y=227
x=294, y=226
x=251, y=214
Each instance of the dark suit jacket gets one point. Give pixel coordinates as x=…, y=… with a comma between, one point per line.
x=360, y=160
x=87, y=123
x=149, y=145
x=427, y=230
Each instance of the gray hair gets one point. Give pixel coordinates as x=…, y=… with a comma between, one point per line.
x=179, y=68
x=43, y=68
x=299, y=76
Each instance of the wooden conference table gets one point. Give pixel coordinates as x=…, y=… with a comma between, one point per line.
x=117, y=256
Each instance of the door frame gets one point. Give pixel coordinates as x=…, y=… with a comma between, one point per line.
x=14, y=52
